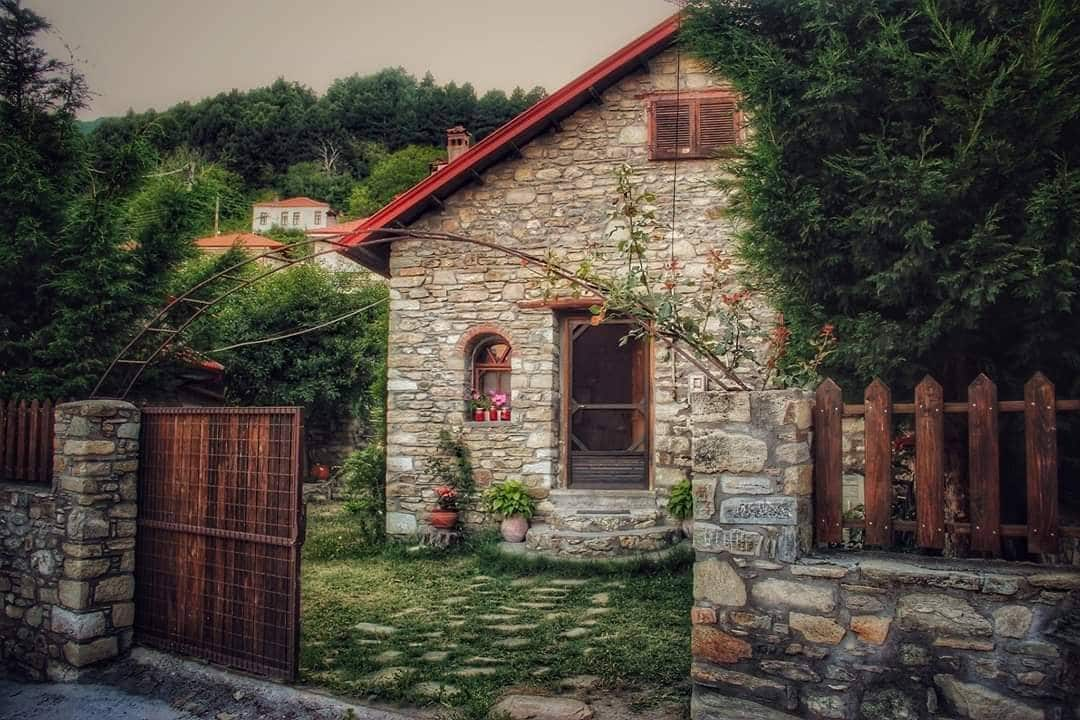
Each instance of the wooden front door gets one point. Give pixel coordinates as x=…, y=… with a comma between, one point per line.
x=607, y=400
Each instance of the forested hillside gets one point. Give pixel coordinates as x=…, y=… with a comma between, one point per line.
x=286, y=139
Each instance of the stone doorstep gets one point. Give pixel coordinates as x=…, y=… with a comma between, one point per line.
x=604, y=521
x=599, y=501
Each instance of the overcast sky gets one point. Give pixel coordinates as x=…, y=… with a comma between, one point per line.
x=144, y=54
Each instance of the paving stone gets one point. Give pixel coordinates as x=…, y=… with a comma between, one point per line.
x=388, y=656
x=456, y=600
x=555, y=615
x=511, y=643
x=431, y=690
x=574, y=633
x=532, y=707
x=474, y=671
x=600, y=598
x=510, y=609
x=433, y=635
x=482, y=578
x=513, y=629
x=580, y=682
x=434, y=656
x=589, y=623
x=496, y=618
x=538, y=605
x=541, y=672
x=598, y=611
x=524, y=582
x=388, y=677
x=409, y=611
x=568, y=583
x=483, y=660
x=374, y=629
x=456, y=623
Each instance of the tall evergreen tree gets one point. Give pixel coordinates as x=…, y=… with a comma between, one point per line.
x=913, y=178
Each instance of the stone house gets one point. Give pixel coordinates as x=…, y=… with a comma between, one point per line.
x=598, y=430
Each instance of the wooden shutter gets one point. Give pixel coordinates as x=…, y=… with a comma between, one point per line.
x=671, y=129
x=716, y=124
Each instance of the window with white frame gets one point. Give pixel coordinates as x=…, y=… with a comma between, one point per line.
x=318, y=217
x=264, y=217
x=296, y=218
x=284, y=218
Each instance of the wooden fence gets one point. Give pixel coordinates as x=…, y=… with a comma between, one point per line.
x=930, y=526
x=26, y=441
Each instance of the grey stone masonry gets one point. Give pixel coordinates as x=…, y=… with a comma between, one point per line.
x=781, y=632
x=68, y=552
x=556, y=196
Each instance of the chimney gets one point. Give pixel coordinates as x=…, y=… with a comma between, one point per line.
x=457, y=142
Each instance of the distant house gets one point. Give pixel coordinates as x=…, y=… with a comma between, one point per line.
x=220, y=244
x=298, y=213
x=325, y=236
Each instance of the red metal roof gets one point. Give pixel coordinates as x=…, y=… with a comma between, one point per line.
x=293, y=202
x=407, y=206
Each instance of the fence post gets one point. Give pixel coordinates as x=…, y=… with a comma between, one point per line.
x=983, y=466
x=95, y=466
x=828, y=465
x=1040, y=442
x=930, y=464
x=878, y=491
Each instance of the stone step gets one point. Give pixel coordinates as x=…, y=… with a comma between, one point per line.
x=551, y=540
x=592, y=521
x=599, y=501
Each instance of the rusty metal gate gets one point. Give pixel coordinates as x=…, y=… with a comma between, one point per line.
x=217, y=567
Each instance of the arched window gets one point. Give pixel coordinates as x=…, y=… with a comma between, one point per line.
x=491, y=367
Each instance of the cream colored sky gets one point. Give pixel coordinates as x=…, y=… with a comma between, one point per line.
x=153, y=53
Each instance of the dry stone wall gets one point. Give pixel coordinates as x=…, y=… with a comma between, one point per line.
x=67, y=553
x=781, y=632
x=556, y=196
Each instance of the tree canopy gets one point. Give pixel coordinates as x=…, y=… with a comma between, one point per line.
x=913, y=178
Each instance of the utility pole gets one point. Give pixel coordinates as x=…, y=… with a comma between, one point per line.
x=217, y=214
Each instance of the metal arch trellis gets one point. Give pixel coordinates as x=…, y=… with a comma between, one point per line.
x=375, y=237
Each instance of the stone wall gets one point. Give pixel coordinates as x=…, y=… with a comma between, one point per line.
x=556, y=196
x=67, y=552
x=782, y=632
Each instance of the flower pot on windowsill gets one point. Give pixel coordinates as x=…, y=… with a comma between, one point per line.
x=493, y=414
x=514, y=528
x=478, y=415
x=444, y=519
x=506, y=414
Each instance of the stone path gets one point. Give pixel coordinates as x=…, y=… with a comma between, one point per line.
x=508, y=618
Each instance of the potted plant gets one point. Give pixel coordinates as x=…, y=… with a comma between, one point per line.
x=445, y=514
x=511, y=501
x=497, y=402
x=479, y=403
x=681, y=505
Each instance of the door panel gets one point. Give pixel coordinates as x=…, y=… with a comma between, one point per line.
x=607, y=406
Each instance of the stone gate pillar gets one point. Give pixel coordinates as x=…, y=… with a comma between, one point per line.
x=95, y=476
x=752, y=514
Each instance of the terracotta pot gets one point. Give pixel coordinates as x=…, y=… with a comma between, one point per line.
x=444, y=519
x=506, y=414
x=320, y=472
x=478, y=415
x=513, y=528
x=493, y=414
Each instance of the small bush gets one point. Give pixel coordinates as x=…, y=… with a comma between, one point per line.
x=681, y=503
x=364, y=475
x=510, y=498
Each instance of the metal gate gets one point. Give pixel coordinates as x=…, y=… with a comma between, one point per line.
x=217, y=566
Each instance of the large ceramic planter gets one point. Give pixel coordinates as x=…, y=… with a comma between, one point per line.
x=513, y=528
x=444, y=519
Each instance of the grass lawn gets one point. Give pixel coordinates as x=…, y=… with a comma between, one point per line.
x=459, y=627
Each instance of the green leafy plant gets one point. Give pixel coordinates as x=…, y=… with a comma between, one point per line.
x=510, y=498
x=681, y=503
x=364, y=475
x=451, y=467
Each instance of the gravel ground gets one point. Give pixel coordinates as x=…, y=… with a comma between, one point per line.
x=155, y=686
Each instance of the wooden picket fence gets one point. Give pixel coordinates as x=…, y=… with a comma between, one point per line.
x=1040, y=408
x=26, y=441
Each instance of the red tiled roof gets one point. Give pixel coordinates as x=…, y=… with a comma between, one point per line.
x=245, y=240
x=293, y=202
x=411, y=204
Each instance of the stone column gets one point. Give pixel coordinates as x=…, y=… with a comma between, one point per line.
x=752, y=513
x=95, y=477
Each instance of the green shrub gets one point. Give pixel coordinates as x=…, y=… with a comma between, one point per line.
x=510, y=498
x=364, y=475
x=681, y=503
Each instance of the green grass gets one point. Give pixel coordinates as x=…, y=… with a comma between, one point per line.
x=641, y=646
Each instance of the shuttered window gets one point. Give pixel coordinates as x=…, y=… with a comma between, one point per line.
x=696, y=127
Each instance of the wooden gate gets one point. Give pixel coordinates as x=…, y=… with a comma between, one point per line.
x=217, y=567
